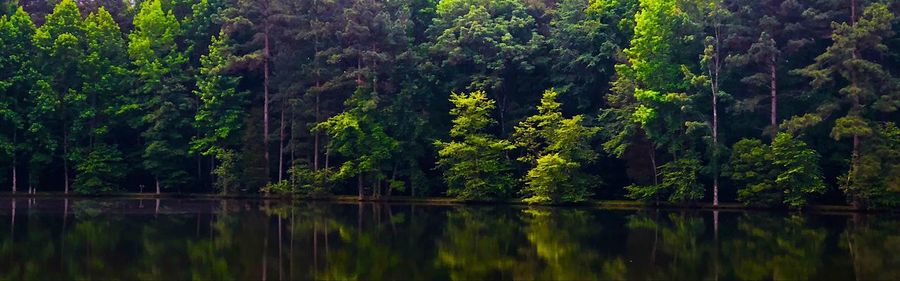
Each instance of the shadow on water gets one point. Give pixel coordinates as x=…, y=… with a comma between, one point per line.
x=248, y=239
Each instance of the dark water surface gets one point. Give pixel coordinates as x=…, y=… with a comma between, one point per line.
x=43, y=239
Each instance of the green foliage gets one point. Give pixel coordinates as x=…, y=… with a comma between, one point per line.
x=475, y=164
x=228, y=171
x=358, y=134
x=586, y=37
x=110, y=93
x=220, y=114
x=679, y=184
x=16, y=79
x=851, y=62
x=556, y=148
x=878, y=176
x=159, y=67
x=786, y=173
x=100, y=171
x=752, y=169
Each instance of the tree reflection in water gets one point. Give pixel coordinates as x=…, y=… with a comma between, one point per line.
x=240, y=240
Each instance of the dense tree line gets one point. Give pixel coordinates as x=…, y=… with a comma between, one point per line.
x=776, y=102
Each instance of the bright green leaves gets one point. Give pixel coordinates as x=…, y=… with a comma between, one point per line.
x=358, y=134
x=167, y=105
x=679, y=182
x=783, y=174
x=221, y=114
x=474, y=163
x=555, y=148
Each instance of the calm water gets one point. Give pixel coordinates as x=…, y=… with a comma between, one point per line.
x=196, y=239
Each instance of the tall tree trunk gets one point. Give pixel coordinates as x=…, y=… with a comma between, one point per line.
x=316, y=137
x=281, y=146
x=773, y=89
x=15, y=174
x=715, y=69
x=157, y=186
x=266, y=88
x=65, y=146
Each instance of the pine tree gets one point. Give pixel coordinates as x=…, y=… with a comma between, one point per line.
x=764, y=39
x=474, y=163
x=586, y=39
x=492, y=46
x=555, y=149
x=852, y=63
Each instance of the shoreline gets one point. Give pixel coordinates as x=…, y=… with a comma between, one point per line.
x=602, y=204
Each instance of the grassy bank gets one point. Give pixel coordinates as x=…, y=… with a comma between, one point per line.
x=603, y=204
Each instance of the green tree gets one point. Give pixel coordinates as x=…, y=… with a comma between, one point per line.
x=165, y=101
x=59, y=97
x=556, y=148
x=98, y=161
x=488, y=45
x=475, y=164
x=785, y=173
x=357, y=134
x=16, y=78
x=764, y=38
x=851, y=62
x=650, y=99
x=586, y=38
x=221, y=113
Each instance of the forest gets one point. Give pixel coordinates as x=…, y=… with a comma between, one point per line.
x=775, y=103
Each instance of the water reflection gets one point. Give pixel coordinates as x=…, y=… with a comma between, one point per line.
x=240, y=240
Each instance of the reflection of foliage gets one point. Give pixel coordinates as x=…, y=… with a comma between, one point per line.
x=88, y=208
x=780, y=248
x=873, y=249
x=680, y=244
x=559, y=236
x=477, y=245
x=206, y=256
x=337, y=241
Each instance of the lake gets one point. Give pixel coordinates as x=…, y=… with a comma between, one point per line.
x=43, y=239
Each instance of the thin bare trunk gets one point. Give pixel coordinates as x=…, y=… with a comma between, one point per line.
x=65, y=146
x=773, y=88
x=316, y=137
x=318, y=102
x=715, y=118
x=157, y=185
x=15, y=174
x=266, y=88
x=281, y=146
x=327, y=157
